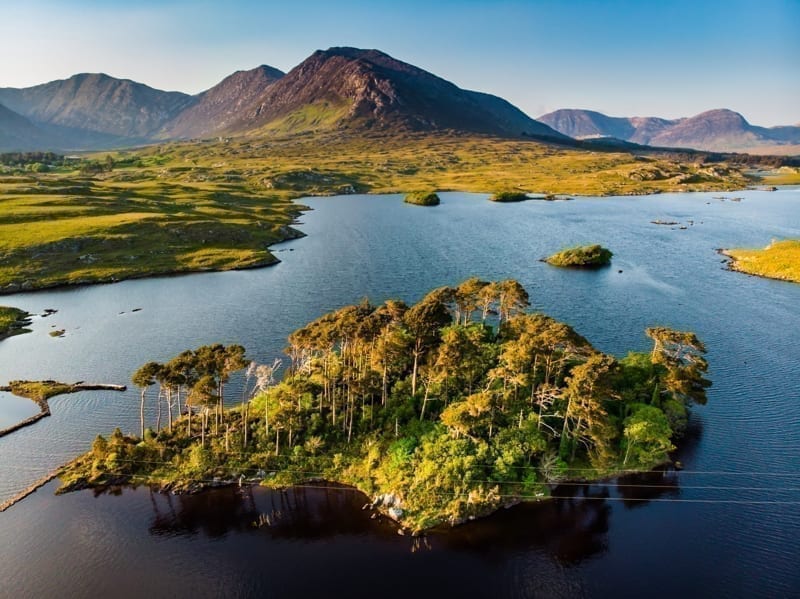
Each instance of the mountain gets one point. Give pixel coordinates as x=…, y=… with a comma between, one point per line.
x=715, y=130
x=19, y=134
x=217, y=108
x=93, y=107
x=349, y=88
x=588, y=123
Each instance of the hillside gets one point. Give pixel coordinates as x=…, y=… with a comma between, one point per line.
x=217, y=108
x=95, y=107
x=18, y=134
x=718, y=130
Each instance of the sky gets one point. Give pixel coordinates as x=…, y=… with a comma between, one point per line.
x=667, y=58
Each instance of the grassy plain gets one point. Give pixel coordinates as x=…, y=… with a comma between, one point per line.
x=779, y=260
x=217, y=205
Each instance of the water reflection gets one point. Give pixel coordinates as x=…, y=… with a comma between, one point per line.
x=295, y=513
x=570, y=529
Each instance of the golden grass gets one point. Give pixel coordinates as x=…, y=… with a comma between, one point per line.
x=219, y=204
x=779, y=260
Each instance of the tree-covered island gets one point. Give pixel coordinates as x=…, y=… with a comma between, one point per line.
x=441, y=411
x=422, y=198
x=582, y=256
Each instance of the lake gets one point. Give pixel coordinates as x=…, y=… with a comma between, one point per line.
x=728, y=524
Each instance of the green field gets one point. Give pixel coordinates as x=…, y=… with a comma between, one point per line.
x=779, y=260
x=219, y=205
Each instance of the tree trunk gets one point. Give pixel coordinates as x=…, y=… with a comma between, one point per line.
x=169, y=410
x=141, y=414
x=414, y=372
x=158, y=411
x=424, y=403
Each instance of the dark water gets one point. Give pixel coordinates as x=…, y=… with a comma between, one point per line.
x=728, y=525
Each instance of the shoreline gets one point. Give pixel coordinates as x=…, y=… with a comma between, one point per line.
x=733, y=264
x=291, y=234
x=381, y=505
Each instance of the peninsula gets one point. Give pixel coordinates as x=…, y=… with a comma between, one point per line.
x=441, y=411
x=779, y=260
x=13, y=321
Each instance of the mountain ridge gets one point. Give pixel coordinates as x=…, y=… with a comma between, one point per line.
x=719, y=129
x=338, y=89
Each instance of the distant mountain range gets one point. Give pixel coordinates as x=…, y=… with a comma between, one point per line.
x=336, y=89
x=339, y=88
x=719, y=130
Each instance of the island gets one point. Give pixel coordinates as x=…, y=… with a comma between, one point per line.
x=509, y=196
x=779, y=260
x=441, y=411
x=422, y=198
x=582, y=256
x=13, y=321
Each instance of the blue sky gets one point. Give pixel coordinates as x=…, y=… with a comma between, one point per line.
x=647, y=57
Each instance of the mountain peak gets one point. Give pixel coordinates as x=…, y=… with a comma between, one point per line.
x=346, y=87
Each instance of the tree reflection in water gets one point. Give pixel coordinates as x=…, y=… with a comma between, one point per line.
x=569, y=529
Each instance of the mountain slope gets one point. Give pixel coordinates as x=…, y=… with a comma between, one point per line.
x=18, y=134
x=98, y=104
x=715, y=130
x=588, y=123
x=367, y=89
x=218, y=107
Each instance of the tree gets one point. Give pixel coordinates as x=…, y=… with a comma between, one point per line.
x=467, y=299
x=472, y=416
x=424, y=320
x=647, y=435
x=589, y=387
x=681, y=352
x=512, y=299
x=144, y=378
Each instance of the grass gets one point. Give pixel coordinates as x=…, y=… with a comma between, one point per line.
x=586, y=256
x=13, y=321
x=217, y=205
x=779, y=260
x=38, y=391
x=422, y=198
x=784, y=175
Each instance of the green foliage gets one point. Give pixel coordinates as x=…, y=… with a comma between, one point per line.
x=647, y=436
x=509, y=196
x=584, y=256
x=422, y=198
x=499, y=412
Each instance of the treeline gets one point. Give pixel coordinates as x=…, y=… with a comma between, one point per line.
x=34, y=161
x=455, y=405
